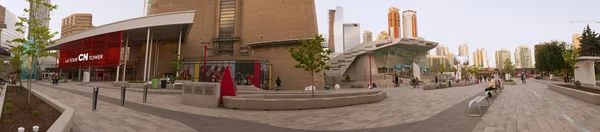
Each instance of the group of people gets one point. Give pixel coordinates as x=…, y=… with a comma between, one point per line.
x=241, y=80
x=413, y=81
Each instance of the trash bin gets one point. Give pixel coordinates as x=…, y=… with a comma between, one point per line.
x=163, y=83
x=155, y=83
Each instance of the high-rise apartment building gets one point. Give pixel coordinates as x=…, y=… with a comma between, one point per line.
x=351, y=35
x=338, y=30
x=147, y=7
x=480, y=58
x=576, y=38
x=409, y=24
x=383, y=35
x=42, y=14
x=75, y=23
x=367, y=36
x=523, y=57
x=10, y=32
x=441, y=50
x=501, y=56
x=394, y=22
x=331, y=36
x=463, y=50
x=436, y=62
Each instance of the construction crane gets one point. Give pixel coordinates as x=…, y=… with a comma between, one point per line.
x=585, y=21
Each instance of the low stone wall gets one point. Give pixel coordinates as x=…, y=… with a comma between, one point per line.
x=301, y=101
x=2, y=97
x=510, y=83
x=201, y=94
x=64, y=123
x=582, y=95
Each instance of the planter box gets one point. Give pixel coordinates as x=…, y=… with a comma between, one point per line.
x=64, y=123
x=582, y=95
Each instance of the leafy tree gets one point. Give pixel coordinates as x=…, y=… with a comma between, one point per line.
x=311, y=56
x=39, y=35
x=570, y=56
x=16, y=64
x=452, y=69
x=549, y=57
x=540, y=60
x=177, y=65
x=442, y=68
x=589, y=43
x=463, y=70
x=509, y=68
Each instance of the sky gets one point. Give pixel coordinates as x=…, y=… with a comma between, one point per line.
x=492, y=25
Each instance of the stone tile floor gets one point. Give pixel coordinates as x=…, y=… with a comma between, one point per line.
x=518, y=108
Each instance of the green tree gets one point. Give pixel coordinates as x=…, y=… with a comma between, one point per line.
x=570, y=55
x=464, y=70
x=589, y=43
x=39, y=35
x=452, y=69
x=16, y=64
x=508, y=68
x=177, y=65
x=549, y=57
x=311, y=57
x=443, y=68
x=540, y=60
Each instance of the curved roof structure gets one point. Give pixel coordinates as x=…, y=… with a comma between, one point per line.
x=339, y=64
x=166, y=26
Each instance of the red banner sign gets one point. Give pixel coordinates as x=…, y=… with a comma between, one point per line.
x=97, y=51
x=383, y=43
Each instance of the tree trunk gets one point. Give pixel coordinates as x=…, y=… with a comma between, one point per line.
x=30, y=79
x=312, y=74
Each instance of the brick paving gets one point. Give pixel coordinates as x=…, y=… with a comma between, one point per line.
x=520, y=108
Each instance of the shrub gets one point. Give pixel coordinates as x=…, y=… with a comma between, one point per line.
x=6, y=121
x=8, y=99
x=35, y=113
x=8, y=106
x=347, y=78
x=509, y=80
x=19, y=90
x=6, y=112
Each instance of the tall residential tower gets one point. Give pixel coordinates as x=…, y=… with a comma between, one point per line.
x=394, y=22
x=409, y=24
x=351, y=35
x=501, y=56
x=523, y=57
x=75, y=23
x=367, y=36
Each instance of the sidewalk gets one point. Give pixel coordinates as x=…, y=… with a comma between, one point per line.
x=109, y=117
x=533, y=107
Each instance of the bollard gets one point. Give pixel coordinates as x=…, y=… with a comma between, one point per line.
x=94, y=98
x=123, y=90
x=36, y=128
x=145, y=92
x=21, y=129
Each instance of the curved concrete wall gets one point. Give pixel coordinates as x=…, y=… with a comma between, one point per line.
x=582, y=95
x=301, y=101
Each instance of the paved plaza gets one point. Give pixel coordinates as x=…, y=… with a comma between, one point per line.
x=518, y=108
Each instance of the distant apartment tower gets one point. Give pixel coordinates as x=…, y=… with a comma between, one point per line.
x=384, y=35
x=42, y=13
x=409, y=24
x=576, y=38
x=463, y=50
x=10, y=32
x=523, y=57
x=338, y=29
x=501, y=56
x=367, y=36
x=436, y=62
x=480, y=58
x=441, y=50
x=75, y=23
x=147, y=7
x=331, y=36
x=394, y=22
x=351, y=35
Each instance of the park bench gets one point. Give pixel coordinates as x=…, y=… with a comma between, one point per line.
x=477, y=102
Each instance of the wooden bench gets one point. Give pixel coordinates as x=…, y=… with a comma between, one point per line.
x=477, y=101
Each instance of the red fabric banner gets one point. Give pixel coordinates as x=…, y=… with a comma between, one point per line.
x=96, y=51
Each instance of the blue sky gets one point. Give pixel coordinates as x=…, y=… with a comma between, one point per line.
x=479, y=23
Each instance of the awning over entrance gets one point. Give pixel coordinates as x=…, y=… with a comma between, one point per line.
x=165, y=26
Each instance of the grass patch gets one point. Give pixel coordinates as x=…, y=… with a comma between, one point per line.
x=6, y=121
x=6, y=112
x=35, y=112
x=8, y=106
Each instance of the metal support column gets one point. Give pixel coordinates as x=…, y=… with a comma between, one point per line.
x=150, y=58
x=118, y=71
x=146, y=57
x=126, y=57
x=179, y=48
